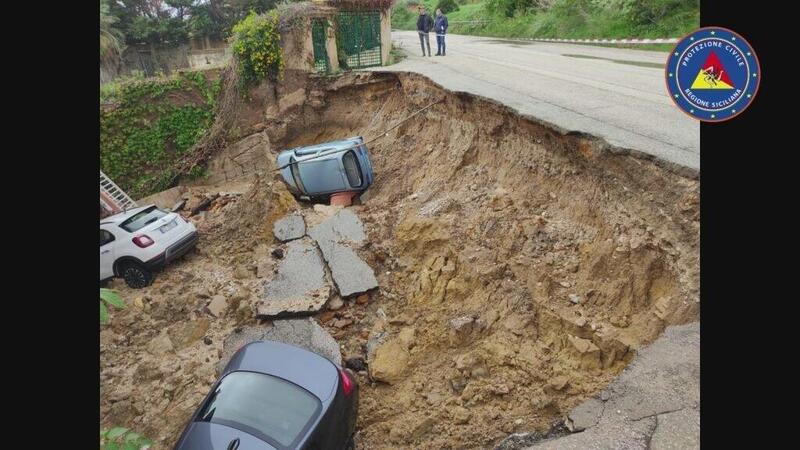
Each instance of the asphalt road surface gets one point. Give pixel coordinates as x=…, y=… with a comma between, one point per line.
x=617, y=94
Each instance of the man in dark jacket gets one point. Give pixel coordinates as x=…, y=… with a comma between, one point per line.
x=440, y=25
x=424, y=26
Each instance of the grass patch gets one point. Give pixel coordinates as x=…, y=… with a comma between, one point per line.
x=561, y=21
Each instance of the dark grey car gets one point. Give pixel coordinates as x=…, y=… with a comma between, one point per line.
x=276, y=396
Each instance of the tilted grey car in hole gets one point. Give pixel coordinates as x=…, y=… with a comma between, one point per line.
x=273, y=395
x=317, y=171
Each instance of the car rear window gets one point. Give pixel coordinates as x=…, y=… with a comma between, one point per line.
x=142, y=218
x=351, y=169
x=261, y=404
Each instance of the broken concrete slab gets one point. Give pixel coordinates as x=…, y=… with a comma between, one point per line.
x=343, y=226
x=655, y=400
x=585, y=415
x=350, y=273
x=289, y=228
x=677, y=430
x=333, y=236
x=300, y=286
x=304, y=333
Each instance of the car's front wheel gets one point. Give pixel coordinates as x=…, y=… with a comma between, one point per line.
x=136, y=275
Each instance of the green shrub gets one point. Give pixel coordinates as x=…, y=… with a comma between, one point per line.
x=119, y=438
x=113, y=299
x=145, y=130
x=257, y=47
x=447, y=6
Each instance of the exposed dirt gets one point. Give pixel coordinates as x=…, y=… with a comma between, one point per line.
x=519, y=269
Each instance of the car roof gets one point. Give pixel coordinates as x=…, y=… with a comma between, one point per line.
x=304, y=368
x=121, y=217
x=332, y=145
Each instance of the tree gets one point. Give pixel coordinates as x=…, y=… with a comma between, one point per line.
x=447, y=6
x=111, y=38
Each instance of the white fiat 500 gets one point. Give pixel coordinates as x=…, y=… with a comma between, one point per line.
x=134, y=243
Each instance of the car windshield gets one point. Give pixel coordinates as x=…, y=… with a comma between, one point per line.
x=262, y=403
x=142, y=218
x=351, y=169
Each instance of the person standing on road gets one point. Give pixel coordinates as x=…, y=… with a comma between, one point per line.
x=440, y=25
x=424, y=26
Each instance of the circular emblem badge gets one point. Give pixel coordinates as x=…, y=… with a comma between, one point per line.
x=713, y=74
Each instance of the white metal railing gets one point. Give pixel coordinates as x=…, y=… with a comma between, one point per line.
x=115, y=193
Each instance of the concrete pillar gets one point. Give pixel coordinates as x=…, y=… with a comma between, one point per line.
x=330, y=47
x=386, y=35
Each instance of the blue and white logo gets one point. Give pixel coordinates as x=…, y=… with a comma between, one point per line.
x=713, y=74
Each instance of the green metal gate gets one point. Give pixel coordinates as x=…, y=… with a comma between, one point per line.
x=360, y=35
x=320, y=49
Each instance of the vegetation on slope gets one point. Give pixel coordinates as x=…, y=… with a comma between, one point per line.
x=148, y=124
x=569, y=19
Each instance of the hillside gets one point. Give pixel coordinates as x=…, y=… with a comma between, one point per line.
x=569, y=19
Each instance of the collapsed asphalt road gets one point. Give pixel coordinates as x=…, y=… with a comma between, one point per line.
x=617, y=94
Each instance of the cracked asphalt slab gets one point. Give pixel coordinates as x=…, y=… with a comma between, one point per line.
x=617, y=94
x=653, y=404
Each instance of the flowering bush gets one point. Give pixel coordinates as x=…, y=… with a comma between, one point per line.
x=257, y=47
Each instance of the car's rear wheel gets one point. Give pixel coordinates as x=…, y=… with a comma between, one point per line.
x=136, y=275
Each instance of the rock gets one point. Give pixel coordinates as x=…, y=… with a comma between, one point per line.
x=304, y=333
x=356, y=363
x=423, y=427
x=391, y=361
x=574, y=299
x=589, y=352
x=460, y=330
x=334, y=237
x=277, y=253
x=335, y=303
x=557, y=383
x=300, y=286
x=161, y=345
x=468, y=361
x=462, y=324
x=499, y=389
x=362, y=299
x=621, y=321
x=342, y=323
x=264, y=268
x=564, y=284
x=185, y=334
x=218, y=306
x=289, y=228
x=207, y=340
x=461, y=415
x=433, y=398
x=241, y=273
x=479, y=372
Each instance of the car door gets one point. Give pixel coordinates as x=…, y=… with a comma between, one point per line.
x=106, y=254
